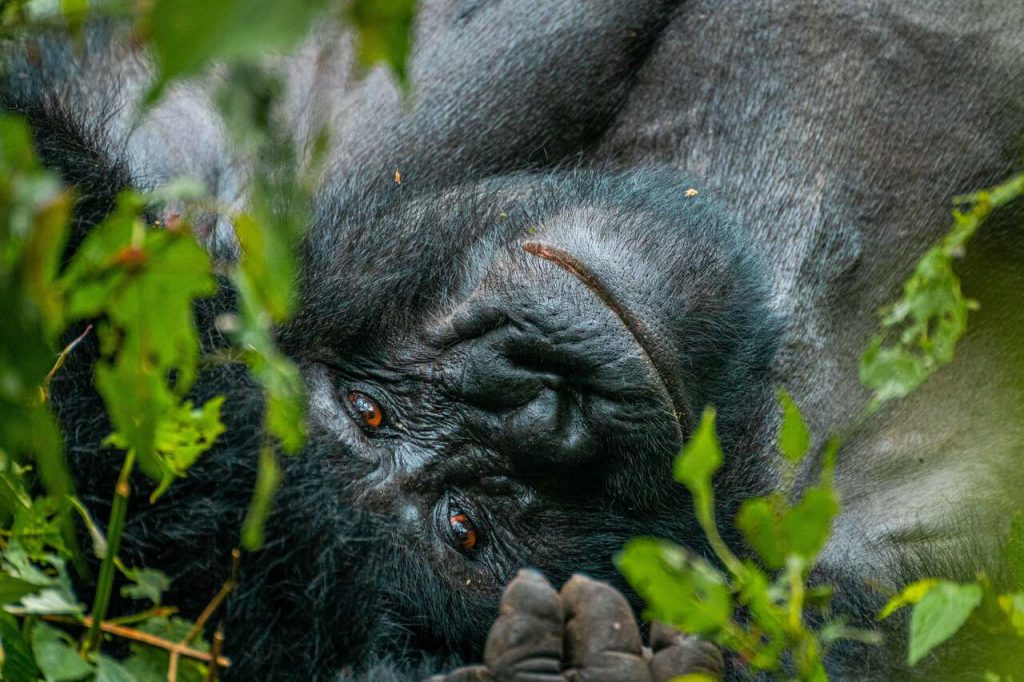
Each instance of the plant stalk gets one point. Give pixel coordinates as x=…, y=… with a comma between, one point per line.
x=105, y=583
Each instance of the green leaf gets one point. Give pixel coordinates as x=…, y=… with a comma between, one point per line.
x=921, y=329
x=147, y=583
x=55, y=595
x=1013, y=551
x=1013, y=606
x=187, y=35
x=182, y=435
x=794, y=439
x=34, y=215
x=268, y=265
x=809, y=523
x=39, y=527
x=700, y=459
x=13, y=589
x=911, y=594
x=754, y=592
x=150, y=663
x=57, y=656
x=285, y=416
x=268, y=478
x=17, y=663
x=776, y=530
x=383, y=32
x=14, y=497
x=144, y=281
x=678, y=587
x=760, y=521
x=939, y=614
x=109, y=670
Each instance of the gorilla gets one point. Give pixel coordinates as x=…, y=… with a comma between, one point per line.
x=505, y=351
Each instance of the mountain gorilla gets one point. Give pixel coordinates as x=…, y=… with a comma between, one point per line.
x=501, y=365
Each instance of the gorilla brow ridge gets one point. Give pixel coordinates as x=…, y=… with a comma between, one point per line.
x=635, y=325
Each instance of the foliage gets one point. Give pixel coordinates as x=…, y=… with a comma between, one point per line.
x=933, y=313
x=129, y=289
x=682, y=589
x=920, y=330
x=940, y=608
x=761, y=616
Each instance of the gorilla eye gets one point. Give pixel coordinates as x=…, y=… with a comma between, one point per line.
x=366, y=410
x=463, y=531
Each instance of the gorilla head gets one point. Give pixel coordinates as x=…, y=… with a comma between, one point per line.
x=513, y=392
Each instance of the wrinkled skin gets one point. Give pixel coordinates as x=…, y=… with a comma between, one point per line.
x=539, y=345
x=584, y=632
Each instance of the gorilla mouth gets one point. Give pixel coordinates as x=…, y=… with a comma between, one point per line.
x=644, y=337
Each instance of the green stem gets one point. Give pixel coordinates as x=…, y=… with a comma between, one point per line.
x=105, y=583
x=706, y=519
x=795, y=577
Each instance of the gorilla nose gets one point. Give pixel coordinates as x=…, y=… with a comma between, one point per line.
x=558, y=374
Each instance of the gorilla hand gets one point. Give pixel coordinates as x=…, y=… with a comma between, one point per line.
x=585, y=633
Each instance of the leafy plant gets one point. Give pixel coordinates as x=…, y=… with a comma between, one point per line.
x=921, y=329
x=130, y=288
x=918, y=336
x=760, y=614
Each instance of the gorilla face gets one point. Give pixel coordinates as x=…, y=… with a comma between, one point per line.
x=512, y=394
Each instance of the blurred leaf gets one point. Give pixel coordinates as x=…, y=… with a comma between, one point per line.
x=182, y=435
x=50, y=602
x=777, y=530
x=809, y=523
x=760, y=521
x=939, y=614
x=679, y=588
x=34, y=215
x=147, y=583
x=921, y=329
x=109, y=670
x=17, y=663
x=13, y=495
x=268, y=478
x=55, y=595
x=13, y=589
x=1013, y=606
x=794, y=439
x=39, y=527
x=1013, y=551
x=700, y=459
x=383, y=32
x=135, y=398
x=150, y=663
x=57, y=656
x=268, y=265
x=144, y=282
x=755, y=593
x=911, y=594
x=285, y=407
x=187, y=35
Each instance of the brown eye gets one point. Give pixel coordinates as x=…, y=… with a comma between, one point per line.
x=463, y=531
x=368, y=410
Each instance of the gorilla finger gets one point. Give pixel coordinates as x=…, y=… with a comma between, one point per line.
x=676, y=654
x=602, y=640
x=525, y=642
